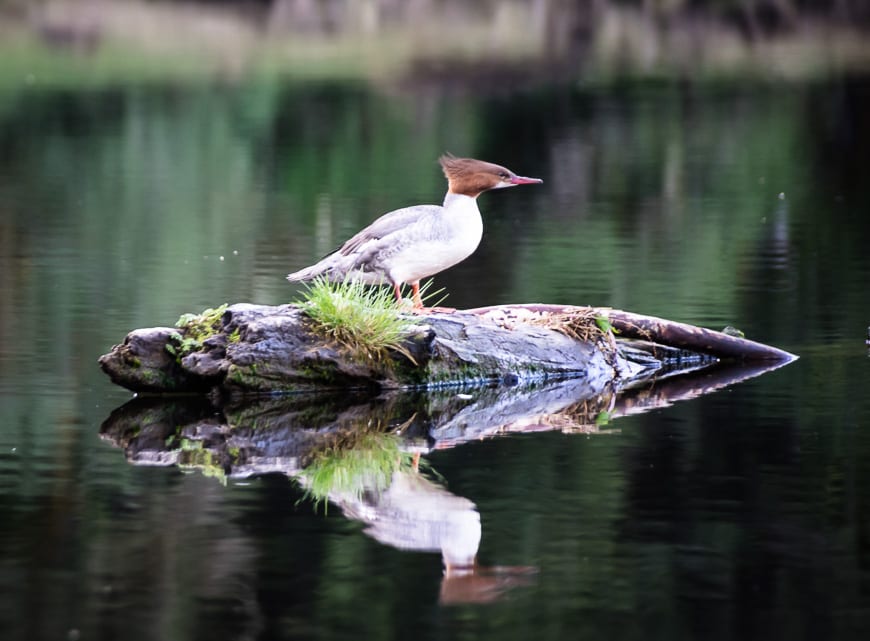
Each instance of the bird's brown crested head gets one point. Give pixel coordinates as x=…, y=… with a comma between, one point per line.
x=472, y=177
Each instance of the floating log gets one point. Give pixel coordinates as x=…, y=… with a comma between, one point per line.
x=256, y=348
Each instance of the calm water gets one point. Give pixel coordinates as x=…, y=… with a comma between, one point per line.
x=742, y=514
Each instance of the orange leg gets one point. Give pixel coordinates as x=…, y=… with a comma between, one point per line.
x=415, y=287
x=397, y=290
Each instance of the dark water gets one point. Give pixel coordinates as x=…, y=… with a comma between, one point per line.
x=738, y=515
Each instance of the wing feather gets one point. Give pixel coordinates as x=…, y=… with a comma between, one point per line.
x=387, y=225
x=365, y=251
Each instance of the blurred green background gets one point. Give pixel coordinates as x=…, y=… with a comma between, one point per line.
x=702, y=161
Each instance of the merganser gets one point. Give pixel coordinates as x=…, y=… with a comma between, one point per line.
x=408, y=244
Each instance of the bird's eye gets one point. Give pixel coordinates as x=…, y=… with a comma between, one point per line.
x=504, y=175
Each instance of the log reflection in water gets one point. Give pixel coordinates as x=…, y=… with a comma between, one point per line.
x=361, y=454
x=285, y=433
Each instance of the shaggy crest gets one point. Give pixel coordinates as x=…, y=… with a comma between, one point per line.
x=457, y=168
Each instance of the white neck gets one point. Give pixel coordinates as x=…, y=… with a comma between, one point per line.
x=452, y=200
x=465, y=225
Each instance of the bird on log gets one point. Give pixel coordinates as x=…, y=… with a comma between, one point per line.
x=412, y=243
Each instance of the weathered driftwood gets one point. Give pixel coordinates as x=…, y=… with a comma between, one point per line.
x=256, y=348
x=261, y=348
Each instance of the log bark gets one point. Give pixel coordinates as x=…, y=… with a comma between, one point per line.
x=257, y=348
x=266, y=349
x=660, y=331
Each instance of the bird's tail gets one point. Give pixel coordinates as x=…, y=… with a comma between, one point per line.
x=336, y=268
x=309, y=273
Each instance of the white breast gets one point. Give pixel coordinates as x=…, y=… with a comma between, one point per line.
x=450, y=239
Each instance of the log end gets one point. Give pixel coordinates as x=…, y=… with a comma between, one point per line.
x=142, y=363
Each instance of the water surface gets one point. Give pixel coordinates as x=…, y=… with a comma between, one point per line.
x=741, y=514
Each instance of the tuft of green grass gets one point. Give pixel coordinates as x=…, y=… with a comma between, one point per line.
x=365, y=320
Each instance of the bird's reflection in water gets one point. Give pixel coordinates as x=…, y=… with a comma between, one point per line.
x=410, y=511
x=416, y=514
